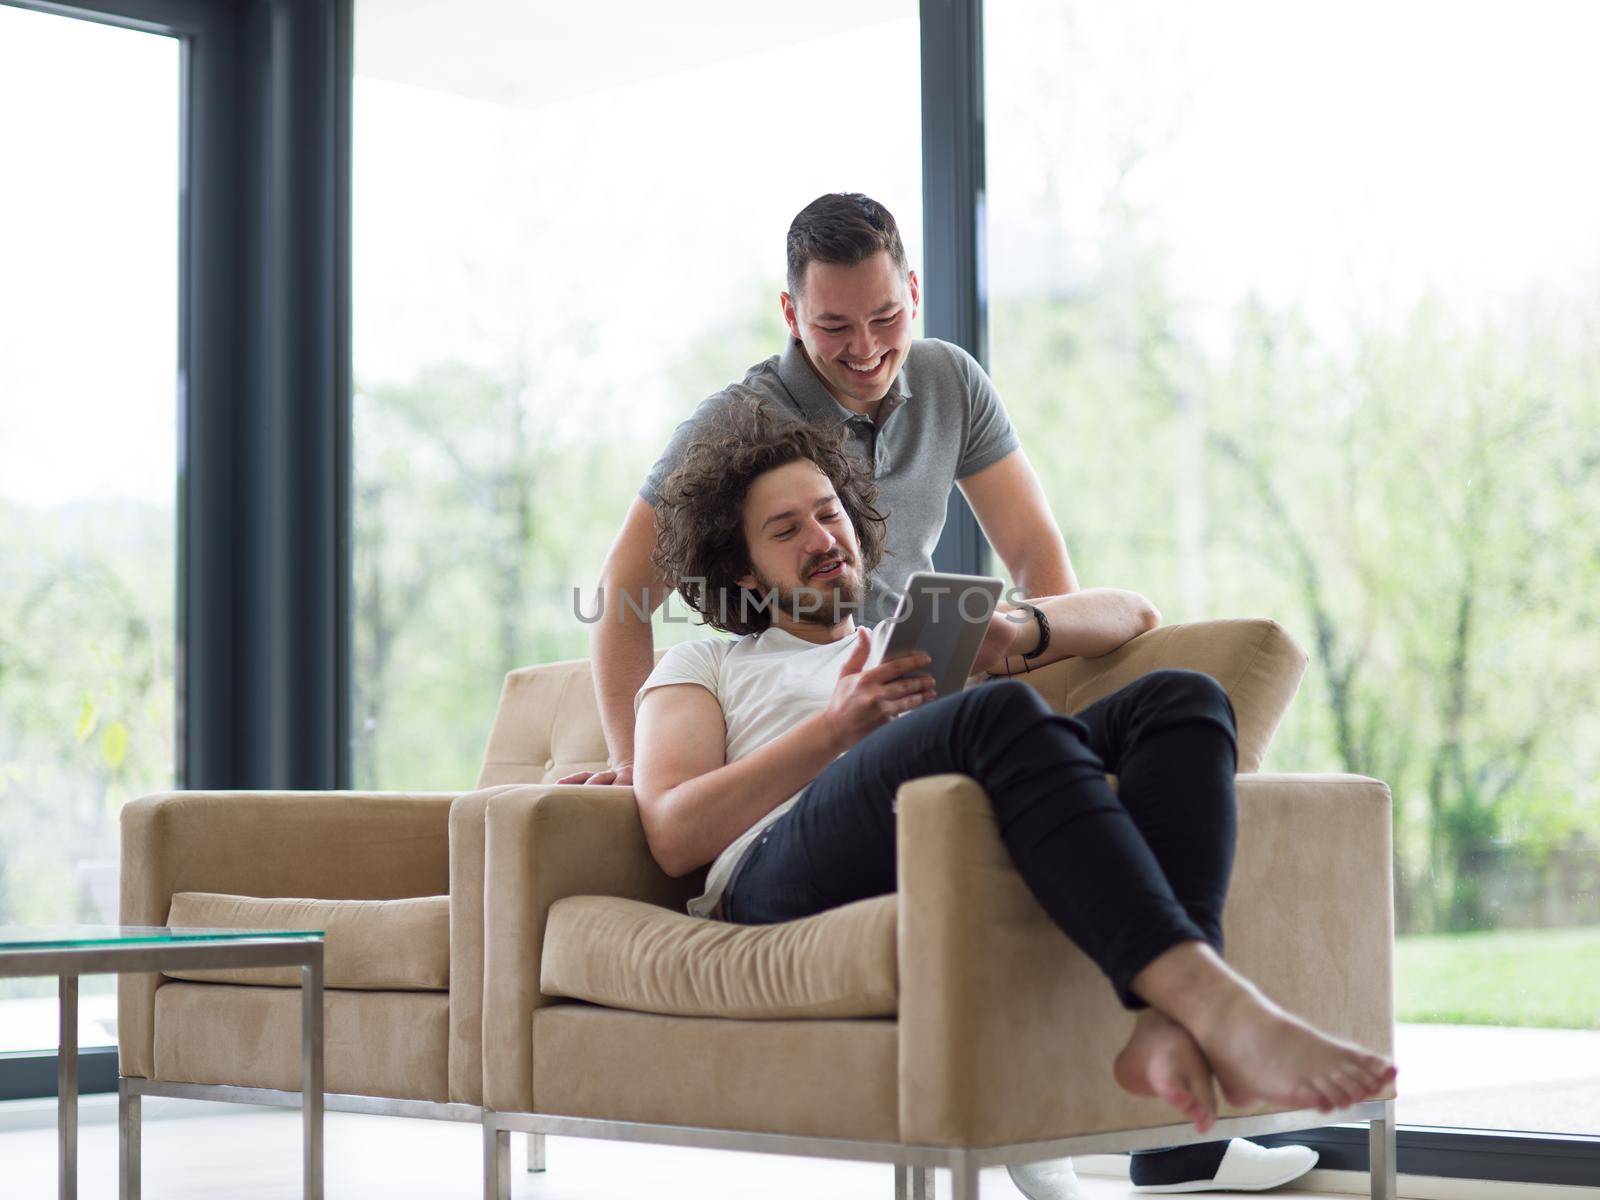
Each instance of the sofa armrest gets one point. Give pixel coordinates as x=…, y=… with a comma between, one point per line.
x=546, y=842
x=467, y=841
x=1008, y=1031
x=326, y=845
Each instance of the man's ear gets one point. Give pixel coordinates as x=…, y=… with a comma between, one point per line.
x=791, y=315
x=748, y=583
x=916, y=293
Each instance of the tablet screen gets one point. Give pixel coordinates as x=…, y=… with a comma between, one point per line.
x=944, y=616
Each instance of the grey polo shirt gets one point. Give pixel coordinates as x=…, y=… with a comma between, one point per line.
x=941, y=421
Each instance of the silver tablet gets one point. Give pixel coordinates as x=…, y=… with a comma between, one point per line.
x=944, y=616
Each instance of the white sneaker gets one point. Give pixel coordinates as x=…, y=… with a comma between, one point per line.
x=1052, y=1179
x=1247, y=1167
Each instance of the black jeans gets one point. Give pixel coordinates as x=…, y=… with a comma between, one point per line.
x=1126, y=875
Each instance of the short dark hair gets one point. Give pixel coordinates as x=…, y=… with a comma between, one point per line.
x=844, y=228
x=700, y=543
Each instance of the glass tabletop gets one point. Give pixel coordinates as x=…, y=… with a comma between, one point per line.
x=67, y=937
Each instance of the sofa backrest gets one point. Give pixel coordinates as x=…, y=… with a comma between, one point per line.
x=547, y=726
x=548, y=723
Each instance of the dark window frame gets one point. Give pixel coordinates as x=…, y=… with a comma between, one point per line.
x=957, y=310
x=265, y=383
x=263, y=353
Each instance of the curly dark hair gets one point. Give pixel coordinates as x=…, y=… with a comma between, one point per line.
x=700, y=543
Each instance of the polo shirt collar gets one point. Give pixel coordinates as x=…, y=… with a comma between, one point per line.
x=816, y=401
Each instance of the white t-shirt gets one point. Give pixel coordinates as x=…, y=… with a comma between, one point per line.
x=767, y=683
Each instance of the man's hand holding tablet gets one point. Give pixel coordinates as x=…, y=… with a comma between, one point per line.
x=947, y=618
x=866, y=697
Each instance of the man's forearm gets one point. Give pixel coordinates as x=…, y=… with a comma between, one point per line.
x=622, y=652
x=1083, y=624
x=707, y=814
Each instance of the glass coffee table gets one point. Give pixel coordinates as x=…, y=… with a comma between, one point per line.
x=69, y=951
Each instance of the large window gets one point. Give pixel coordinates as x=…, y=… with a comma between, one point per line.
x=566, y=234
x=88, y=437
x=1296, y=311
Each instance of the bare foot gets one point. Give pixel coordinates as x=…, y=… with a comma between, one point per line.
x=1161, y=1059
x=1261, y=1052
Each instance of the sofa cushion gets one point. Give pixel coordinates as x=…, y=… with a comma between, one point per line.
x=1255, y=660
x=832, y=1079
x=375, y=945
x=374, y=1043
x=629, y=955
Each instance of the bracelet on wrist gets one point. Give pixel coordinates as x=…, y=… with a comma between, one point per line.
x=1044, y=631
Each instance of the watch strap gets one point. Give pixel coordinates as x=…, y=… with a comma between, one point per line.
x=1044, y=631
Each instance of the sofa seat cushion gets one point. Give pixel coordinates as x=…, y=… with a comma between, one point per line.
x=831, y=1079
x=373, y=945
x=374, y=1043
x=630, y=955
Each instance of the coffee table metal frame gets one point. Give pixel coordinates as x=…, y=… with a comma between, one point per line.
x=67, y=963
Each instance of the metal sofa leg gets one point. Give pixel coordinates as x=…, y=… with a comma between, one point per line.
x=1381, y=1153
x=129, y=1135
x=963, y=1178
x=536, y=1152
x=912, y=1183
x=496, y=1162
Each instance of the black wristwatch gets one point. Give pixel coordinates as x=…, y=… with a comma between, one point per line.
x=1044, y=631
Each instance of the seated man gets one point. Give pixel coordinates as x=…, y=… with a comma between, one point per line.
x=775, y=757
x=925, y=418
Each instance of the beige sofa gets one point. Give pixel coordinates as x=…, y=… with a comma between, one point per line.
x=398, y=889
x=948, y=1026
x=917, y=1029
x=376, y=872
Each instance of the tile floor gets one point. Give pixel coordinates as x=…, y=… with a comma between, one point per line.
x=255, y=1156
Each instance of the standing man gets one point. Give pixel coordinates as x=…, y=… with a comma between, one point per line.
x=927, y=417
x=923, y=412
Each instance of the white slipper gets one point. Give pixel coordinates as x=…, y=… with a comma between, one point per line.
x=1052, y=1179
x=1247, y=1167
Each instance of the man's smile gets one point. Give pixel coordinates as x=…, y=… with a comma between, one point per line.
x=865, y=370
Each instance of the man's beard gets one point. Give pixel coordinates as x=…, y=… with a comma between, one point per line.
x=817, y=602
